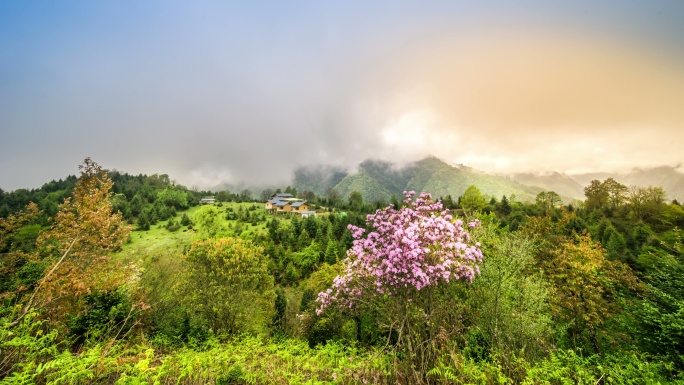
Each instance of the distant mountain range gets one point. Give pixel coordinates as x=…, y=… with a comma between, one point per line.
x=667, y=177
x=378, y=180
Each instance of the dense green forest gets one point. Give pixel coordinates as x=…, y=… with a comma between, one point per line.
x=114, y=278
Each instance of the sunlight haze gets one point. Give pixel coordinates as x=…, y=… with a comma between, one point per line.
x=223, y=92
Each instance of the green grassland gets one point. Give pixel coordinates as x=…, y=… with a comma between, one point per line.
x=159, y=240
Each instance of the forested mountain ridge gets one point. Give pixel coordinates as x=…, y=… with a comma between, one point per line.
x=378, y=180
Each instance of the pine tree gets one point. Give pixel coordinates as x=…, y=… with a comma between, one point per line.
x=331, y=252
x=304, y=239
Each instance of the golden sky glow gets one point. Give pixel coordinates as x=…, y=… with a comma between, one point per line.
x=212, y=92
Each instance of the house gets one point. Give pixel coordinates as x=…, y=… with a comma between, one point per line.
x=283, y=206
x=299, y=207
x=287, y=203
x=306, y=214
x=270, y=204
x=208, y=201
x=281, y=196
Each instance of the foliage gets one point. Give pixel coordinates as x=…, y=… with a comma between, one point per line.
x=208, y=220
x=108, y=315
x=508, y=306
x=79, y=241
x=246, y=360
x=547, y=294
x=472, y=199
x=228, y=286
x=548, y=200
x=412, y=248
x=16, y=252
x=402, y=271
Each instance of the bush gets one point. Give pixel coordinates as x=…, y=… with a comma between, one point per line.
x=228, y=285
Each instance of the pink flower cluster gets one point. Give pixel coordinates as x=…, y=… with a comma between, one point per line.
x=417, y=246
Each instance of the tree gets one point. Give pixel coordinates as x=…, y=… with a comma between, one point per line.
x=355, y=200
x=144, y=221
x=173, y=197
x=80, y=241
x=597, y=195
x=548, y=200
x=402, y=271
x=303, y=240
x=331, y=252
x=617, y=193
x=472, y=199
x=646, y=202
x=137, y=204
x=246, y=195
x=266, y=194
x=635, y=198
x=332, y=196
x=228, y=285
x=587, y=286
x=508, y=304
x=185, y=220
x=223, y=196
x=208, y=220
x=504, y=206
x=14, y=257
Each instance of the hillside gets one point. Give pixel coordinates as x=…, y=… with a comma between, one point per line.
x=318, y=179
x=378, y=181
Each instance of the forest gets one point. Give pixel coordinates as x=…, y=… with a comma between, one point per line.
x=112, y=278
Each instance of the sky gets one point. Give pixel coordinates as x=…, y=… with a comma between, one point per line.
x=213, y=92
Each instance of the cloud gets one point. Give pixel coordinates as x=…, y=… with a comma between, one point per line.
x=520, y=102
x=226, y=93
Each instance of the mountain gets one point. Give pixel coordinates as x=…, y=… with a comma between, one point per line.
x=562, y=184
x=378, y=181
x=441, y=179
x=375, y=180
x=318, y=179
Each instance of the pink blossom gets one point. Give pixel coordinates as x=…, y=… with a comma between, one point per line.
x=411, y=248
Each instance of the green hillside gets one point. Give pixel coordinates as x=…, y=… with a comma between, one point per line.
x=318, y=179
x=439, y=178
x=370, y=188
x=378, y=181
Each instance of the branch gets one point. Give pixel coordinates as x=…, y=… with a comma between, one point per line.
x=30, y=302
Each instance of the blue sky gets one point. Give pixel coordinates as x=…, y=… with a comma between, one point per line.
x=212, y=92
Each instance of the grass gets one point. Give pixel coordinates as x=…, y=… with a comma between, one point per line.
x=157, y=240
x=160, y=241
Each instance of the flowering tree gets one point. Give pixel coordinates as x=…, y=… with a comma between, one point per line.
x=402, y=270
x=412, y=248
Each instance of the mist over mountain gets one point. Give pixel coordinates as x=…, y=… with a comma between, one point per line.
x=670, y=178
x=378, y=180
x=553, y=181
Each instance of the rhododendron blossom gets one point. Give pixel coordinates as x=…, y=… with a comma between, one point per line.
x=417, y=246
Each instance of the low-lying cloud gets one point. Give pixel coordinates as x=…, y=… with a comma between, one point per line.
x=224, y=95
